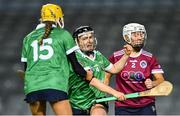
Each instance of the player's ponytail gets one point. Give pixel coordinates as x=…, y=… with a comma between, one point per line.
x=48, y=28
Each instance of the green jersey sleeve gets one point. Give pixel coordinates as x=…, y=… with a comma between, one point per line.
x=106, y=63
x=24, y=51
x=69, y=43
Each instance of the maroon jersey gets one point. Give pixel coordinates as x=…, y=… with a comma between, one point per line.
x=131, y=78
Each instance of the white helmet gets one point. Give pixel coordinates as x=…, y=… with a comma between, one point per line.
x=133, y=27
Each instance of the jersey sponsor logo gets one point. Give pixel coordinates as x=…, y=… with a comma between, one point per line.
x=132, y=75
x=143, y=64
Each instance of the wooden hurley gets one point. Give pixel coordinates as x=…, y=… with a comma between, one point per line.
x=163, y=89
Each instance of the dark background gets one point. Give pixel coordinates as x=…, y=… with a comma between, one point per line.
x=160, y=17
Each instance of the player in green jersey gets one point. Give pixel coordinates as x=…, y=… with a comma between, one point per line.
x=46, y=53
x=81, y=93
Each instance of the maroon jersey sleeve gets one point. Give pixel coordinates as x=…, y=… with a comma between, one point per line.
x=111, y=59
x=155, y=66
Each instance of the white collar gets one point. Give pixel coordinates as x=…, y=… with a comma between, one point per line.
x=137, y=54
x=41, y=25
x=85, y=56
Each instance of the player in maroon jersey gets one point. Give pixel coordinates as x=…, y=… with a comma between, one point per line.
x=140, y=73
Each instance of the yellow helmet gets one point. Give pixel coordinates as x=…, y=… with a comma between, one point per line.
x=51, y=12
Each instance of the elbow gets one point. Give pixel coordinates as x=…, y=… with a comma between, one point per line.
x=115, y=70
x=112, y=70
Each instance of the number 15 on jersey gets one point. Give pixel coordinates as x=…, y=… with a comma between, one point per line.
x=45, y=46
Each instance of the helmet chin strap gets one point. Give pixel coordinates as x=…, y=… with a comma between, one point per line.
x=89, y=52
x=61, y=24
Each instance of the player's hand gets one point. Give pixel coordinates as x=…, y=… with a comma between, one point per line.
x=21, y=74
x=89, y=75
x=128, y=49
x=148, y=83
x=119, y=95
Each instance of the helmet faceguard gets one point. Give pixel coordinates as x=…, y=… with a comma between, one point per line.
x=133, y=28
x=52, y=12
x=84, y=33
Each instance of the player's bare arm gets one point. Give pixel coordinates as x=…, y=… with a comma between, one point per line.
x=118, y=66
x=102, y=87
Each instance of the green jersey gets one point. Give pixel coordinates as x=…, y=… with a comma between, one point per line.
x=47, y=64
x=81, y=94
